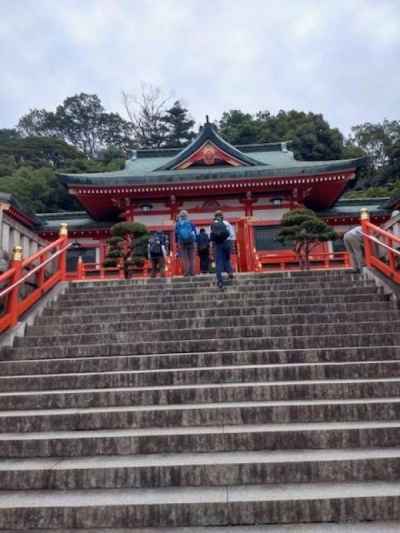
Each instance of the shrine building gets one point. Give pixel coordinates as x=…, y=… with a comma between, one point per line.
x=254, y=185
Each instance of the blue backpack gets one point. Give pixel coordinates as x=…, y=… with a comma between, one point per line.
x=185, y=232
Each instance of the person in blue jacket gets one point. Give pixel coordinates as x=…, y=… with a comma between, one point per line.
x=186, y=237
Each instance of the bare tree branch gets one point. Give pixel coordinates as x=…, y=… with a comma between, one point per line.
x=145, y=110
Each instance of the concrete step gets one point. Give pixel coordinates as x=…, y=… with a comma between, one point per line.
x=359, y=527
x=214, y=469
x=201, y=439
x=206, y=344
x=292, y=321
x=189, y=360
x=228, y=295
x=234, y=412
x=219, y=330
x=209, y=280
x=234, y=287
x=200, y=394
x=201, y=375
x=221, y=300
x=168, y=404
x=206, y=506
x=275, y=313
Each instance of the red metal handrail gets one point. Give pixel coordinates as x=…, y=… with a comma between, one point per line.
x=387, y=263
x=16, y=304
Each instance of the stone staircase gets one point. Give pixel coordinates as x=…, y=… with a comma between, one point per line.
x=168, y=404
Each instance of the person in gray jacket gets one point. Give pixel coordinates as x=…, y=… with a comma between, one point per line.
x=353, y=241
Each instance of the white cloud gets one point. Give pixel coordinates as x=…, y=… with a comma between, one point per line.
x=337, y=58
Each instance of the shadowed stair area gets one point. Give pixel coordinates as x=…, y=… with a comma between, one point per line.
x=168, y=406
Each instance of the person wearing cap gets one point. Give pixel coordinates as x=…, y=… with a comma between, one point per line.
x=223, y=237
x=186, y=237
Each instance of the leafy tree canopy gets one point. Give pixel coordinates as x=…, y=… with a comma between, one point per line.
x=38, y=151
x=81, y=121
x=381, y=143
x=28, y=168
x=311, y=136
x=239, y=128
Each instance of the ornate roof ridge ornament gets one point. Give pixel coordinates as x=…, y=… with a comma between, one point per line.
x=224, y=152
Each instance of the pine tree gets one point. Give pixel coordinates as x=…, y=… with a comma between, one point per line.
x=179, y=126
x=304, y=230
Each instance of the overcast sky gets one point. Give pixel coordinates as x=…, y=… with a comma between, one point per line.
x=336, y=57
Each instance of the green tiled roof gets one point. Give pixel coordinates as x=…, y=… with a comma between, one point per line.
x=260, y=160
x=139, y=171
x=376, y=206
x=75, y=219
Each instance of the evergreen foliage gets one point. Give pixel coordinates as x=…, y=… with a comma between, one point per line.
x=304, y=230
x=179, y=126
x=311, y=136
x=128, y=245
x=28, y=167
x=381, y=143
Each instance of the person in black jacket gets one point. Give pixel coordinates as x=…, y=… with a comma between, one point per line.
x=223, y=238
x=203, y=249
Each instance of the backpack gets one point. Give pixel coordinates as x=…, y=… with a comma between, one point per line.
x=219, y=231
x=185, y=232
x=203, y=242
x=155, y=247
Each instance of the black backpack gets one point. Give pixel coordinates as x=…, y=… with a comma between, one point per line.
x=219, y=231
x=156, y=247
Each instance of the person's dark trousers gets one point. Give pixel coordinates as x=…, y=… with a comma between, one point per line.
x=223, y=260
x=204, y=262
x=187, y=256
x=157, y=265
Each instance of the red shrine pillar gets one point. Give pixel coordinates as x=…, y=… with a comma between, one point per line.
x=174, y=206
x=248, y=203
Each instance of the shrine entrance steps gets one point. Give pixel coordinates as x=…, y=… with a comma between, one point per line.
x=162, y=404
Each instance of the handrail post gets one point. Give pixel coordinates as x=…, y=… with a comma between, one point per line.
x=365, y=228
x=391, y=257
x=62, y=258
x=80, y=269
x=40, y=274
x=13, y=300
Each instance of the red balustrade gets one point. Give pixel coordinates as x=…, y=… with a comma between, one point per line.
x=286, y=260
x=382, y=248
x=18, y=292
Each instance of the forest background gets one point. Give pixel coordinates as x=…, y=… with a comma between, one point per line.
x=81, y=136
